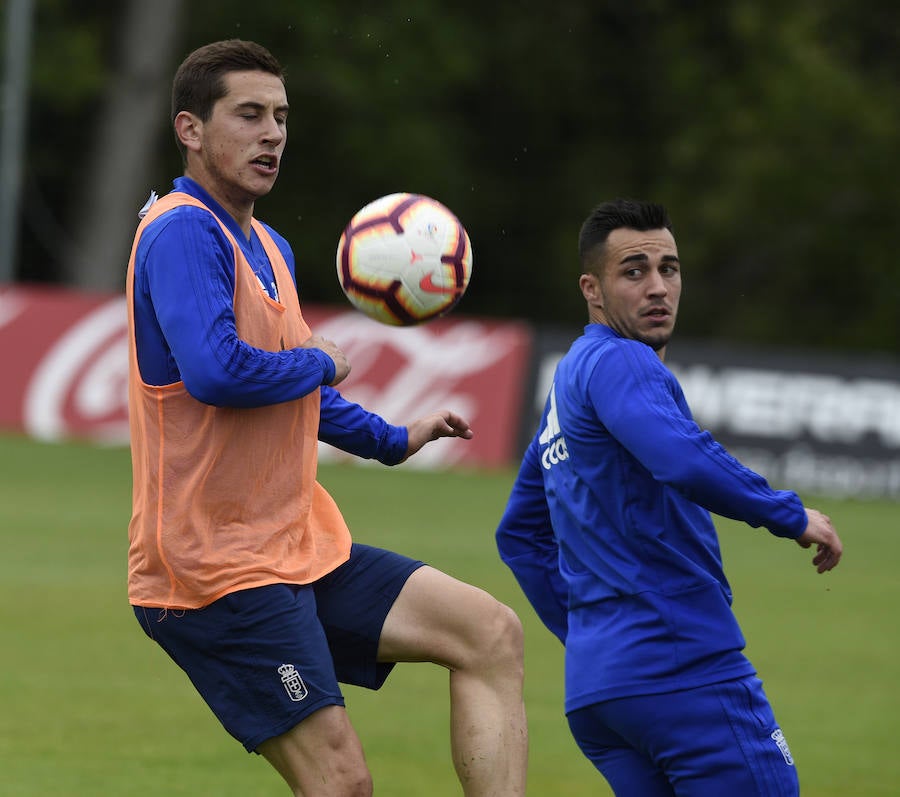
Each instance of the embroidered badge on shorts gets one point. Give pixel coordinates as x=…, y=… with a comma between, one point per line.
x=778, y=738
x=293, y=683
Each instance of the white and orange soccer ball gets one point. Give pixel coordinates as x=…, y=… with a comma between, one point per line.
x=404, y=259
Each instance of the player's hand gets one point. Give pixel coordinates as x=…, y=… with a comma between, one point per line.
x=820, y=532
x=341, y=365
x=434, y=426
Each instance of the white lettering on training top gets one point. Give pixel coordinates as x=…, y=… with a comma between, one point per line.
x=551, y=437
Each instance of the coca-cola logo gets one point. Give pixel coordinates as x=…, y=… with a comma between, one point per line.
x=80, y=386
x=71, y=379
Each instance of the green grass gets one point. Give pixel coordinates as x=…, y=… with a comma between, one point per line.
x=91, y=707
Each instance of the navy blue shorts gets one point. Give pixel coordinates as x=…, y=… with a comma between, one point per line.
x=264, y=659
x=716, y=740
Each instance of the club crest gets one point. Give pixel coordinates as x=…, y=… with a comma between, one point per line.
x=293, y=683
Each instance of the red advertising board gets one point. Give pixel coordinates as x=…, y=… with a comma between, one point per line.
x=64, y=363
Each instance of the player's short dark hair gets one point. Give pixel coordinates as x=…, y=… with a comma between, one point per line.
x=200, y=80
x=616, y=214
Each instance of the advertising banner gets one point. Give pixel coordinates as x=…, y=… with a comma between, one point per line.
x=817, y=423
x=64, y=360
x=814, y=423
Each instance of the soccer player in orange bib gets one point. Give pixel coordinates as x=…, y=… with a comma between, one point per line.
x=240, y=564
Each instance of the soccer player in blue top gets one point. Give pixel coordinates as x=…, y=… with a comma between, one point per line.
x=608, y=532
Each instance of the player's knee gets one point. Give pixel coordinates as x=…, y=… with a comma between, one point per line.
x=348, y=773
x=513, y=638
x=501, y=641
x=357, y=784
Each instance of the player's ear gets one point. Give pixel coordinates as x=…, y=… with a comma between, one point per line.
x=188, y=129
x=590, y=288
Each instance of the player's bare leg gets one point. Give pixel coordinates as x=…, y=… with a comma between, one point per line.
x=439, y=619
x=321, y=757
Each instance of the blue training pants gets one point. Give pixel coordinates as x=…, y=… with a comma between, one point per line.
x=719, y=740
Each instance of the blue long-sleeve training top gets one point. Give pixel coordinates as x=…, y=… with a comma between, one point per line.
x=608, y=528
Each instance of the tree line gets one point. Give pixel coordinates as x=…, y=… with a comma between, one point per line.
x=768, y=129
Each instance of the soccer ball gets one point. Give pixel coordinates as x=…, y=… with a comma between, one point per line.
x=404, y=259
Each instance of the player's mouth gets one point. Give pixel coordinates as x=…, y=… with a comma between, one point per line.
x=266, y=163
x=658, y=314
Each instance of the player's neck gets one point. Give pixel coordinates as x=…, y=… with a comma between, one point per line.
x=239, y=207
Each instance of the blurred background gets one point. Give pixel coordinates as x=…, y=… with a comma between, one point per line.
x=769, y=129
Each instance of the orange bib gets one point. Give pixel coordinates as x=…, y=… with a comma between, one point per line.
x=227, y=499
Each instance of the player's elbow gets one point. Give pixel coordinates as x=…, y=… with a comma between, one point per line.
x=506, y=544
x=208, y=389
x=514, y=542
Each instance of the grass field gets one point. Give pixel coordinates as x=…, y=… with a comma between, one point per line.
x=91, y=708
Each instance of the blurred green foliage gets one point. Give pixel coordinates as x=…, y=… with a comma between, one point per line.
x=769, y=130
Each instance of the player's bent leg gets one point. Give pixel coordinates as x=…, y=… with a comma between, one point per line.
x=321, y=756
x=439, y=619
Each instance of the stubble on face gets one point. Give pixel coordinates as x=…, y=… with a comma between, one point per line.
x=640, y=285
x=242, y=142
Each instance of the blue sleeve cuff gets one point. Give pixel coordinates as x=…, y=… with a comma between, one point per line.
x=351, y=428
x=396, y=442
x=328, y=367
x=791, y=520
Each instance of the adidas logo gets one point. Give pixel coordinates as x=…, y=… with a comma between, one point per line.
x=551, y=437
